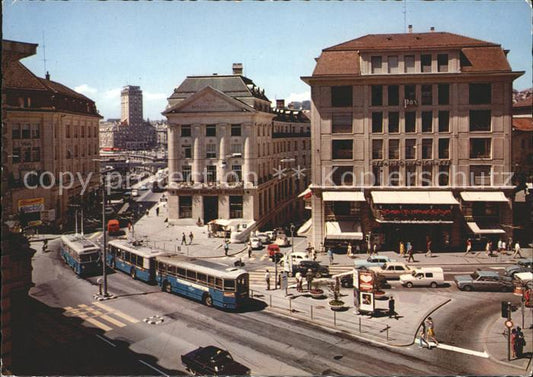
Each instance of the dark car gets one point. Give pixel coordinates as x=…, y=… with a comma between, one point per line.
x=315, y=267
x=522, y=265
x=483, y=281
x=212, y=361
x=347, y=281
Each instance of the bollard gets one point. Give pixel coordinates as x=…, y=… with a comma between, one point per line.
x=335, y=318
x=270, y=300
x=290, y=306
x=311, y=311
x=388, y=333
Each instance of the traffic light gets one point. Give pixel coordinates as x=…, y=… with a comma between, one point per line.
x=505, y=309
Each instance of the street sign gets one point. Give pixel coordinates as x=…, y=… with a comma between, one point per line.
x=509, y=324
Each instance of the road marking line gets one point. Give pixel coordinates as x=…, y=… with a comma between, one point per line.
x=116, y=312
x=103, y=306
x=105, y=340
x=82, y=316
x=82, y=306
x=68, y=308
x=462, y=350
x=112, y=320
x=154, y=368
x=98, y=324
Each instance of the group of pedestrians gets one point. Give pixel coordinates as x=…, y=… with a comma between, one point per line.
x=518, y=342
x=427, y=333
x=184, y=238
x=406, y=250
x=309, y=276
x=502, y=248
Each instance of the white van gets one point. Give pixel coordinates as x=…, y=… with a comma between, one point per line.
x=423, y=277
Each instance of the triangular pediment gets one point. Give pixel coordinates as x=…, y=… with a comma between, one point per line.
x=209, y=100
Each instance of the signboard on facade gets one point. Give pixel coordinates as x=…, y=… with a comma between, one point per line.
x=30, y=211
x=366, y=281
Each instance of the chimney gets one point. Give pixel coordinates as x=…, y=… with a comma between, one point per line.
x=47, y=76
x=410, y=28
x=237, y=68
x=432, y=29
x=280, y=104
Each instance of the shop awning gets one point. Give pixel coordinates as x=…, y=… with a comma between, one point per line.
x=343, y=196
x=484, y=229
x=306, y=228
x=413, y=197
x=305, y=194
x=343, y=230
x=484, y=196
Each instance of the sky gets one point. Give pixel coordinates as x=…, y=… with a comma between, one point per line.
x=98, y=47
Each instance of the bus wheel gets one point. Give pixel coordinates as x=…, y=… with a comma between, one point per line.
x=132, y=273
x=208, y=300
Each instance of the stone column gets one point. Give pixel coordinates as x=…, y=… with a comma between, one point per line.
x=248, y=154
x=198, y=158
x=223, y=163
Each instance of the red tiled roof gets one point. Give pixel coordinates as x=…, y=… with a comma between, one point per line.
x=410, y=41
x=485, y=59
x=62, y=89
x=337, y=62
x=523, y=124
x=17, y=76
x=524, y=103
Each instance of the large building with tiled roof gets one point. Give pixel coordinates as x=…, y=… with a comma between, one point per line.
x=411, y=141
x=49, y=134
x=224, y=146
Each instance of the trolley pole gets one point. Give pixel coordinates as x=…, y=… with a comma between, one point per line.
x=104, y=252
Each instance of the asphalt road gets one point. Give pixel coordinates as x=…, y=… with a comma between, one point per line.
x=268, y=344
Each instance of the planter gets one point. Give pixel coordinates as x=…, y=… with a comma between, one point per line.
x=316, y=293
x=336, y=305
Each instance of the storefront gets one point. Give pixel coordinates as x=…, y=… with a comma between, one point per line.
x=342, y=211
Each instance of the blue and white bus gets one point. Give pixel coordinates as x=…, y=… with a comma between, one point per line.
x=212, y=283
x=133, y=258
x=81, y=254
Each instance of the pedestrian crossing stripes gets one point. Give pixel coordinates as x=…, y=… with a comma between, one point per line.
x=100, y=315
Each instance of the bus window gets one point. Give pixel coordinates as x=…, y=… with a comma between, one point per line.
x=211, y=281
x=126, y=256
x=191, y=275
x=229, y=285
x=201, y=277
x=218, y=283
x=181, y=272
x=143, y=262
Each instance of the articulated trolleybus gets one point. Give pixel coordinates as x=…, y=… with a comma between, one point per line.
x=212, y=283
x=81, y=254
x=133, y=258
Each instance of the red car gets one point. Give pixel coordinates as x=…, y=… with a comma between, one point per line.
x=274, y=252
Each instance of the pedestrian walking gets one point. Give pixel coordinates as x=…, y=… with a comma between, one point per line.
x=191, y=237
x=267, y=280
x=422, y=336
x=249, y=248
x=428, y=248
x=520, y=342
x=510, y=244
x=410, y=253
x=402, y=249
x=488, y=248
x=517, y=250
x=430, y=328
x=226, y=247
x=513, y=343
x=314, y=254
x=330, y=255
x=45, y=245
x=375, y=249
x=468, y=246
x=299, y=281
x=349, y=250
x=504, y=248
x=157, y=211
x=309, y=277
x=183, y=239
x=392, y=308
x=322, y=250
x=499, y=245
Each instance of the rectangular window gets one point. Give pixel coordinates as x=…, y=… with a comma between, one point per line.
x=410, y=92
x=16, y=157
x=27, y=154
x=425, y=62
x=410, y=175
x=427, y=149
x=237, y=173
x=185, y=131
x=479, y=175
x=235, y=207
x=211, y=130
x=35, y=131
x=409, y=62
x=342, y=149
x=427, y=94
x=410, y=150
x=410, y=121
x=444, y=121
x=480, y=94
x=393, y=92
x=444, y=148
x=236, y=130
x=427, y=175
x=394, y=122
x=342, y=175
x=341, y=123
x=185, y=207
x=480, y=148
x=186, y=172
x=377, y=173
x=36, y=154
x=15, y=131
x=377, y=122
x=394, y=175
x=443, y=94
x=211, y=173
x=376, y=64
x=26, y=133
x=377, y=95
x=427, y=121
x=341, y=96
x=480, y=120
x=394, y=149
x=236, y=149
x=442, y=62
x=444, y=175
x=187, y=151
x=377, y=149
x=210, y=150
x=393, y=64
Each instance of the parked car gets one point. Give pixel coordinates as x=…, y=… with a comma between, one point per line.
x=483, y=281
x=522, y=265
x=109, y=210
x=212, y=361
x=274, y=252
x=373, y=261
x=392, y=270
x=318, y=269
x=296, y=257
x=256, y=243
x=423, y=277
x=282, y=240
x=265, y=239
x=134, y=193
x=271, y=234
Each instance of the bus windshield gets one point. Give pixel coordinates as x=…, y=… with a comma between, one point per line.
x=89, y=257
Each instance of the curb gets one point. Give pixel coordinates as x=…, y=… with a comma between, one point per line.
x=431, y=311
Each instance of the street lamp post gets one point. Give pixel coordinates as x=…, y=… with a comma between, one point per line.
x=104, y=253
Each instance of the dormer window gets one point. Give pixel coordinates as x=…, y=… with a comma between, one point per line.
x=376, y=64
